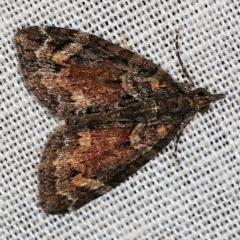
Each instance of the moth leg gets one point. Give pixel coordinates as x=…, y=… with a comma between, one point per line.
x=190, y=84
x=125, y=43
x=183, y=125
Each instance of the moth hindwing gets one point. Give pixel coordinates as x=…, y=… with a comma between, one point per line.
x=118, y=111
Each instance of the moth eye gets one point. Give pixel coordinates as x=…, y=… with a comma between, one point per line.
x=201, y=92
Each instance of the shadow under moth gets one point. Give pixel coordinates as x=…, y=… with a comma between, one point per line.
x=118, y=110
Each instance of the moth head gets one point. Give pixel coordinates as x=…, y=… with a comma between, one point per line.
x=202, y=99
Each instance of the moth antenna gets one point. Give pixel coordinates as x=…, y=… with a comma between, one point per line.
x=125, y=43
x=184, y=70
x=179, y=134
x=176, y=148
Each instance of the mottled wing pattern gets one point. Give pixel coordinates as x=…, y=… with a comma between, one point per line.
x=77, y=75
x=72, y=72
x=78, y=167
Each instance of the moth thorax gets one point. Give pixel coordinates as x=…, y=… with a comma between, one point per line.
x=179, y=104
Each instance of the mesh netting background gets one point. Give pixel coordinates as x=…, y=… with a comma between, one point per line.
x=199, y=199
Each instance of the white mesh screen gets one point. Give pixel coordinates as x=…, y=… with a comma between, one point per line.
x=199, y=199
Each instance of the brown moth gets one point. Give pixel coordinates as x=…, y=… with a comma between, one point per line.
x=118, y=111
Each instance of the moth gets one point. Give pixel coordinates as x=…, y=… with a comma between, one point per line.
x=118, y=110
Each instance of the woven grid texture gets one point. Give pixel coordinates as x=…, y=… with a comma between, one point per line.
x=198, y=200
